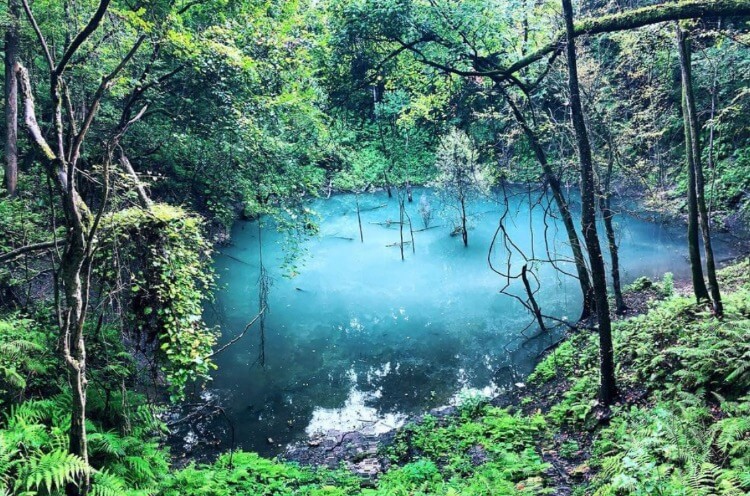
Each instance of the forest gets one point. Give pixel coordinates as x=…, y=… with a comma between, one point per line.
x=380, y=247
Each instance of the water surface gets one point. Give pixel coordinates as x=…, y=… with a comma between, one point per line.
x=359, y=338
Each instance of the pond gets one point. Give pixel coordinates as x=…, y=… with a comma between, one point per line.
x=359, y=338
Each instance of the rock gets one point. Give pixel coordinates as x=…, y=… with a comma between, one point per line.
x=369, y=467
x=580, y=471
x=478, y=455
x=316, y=441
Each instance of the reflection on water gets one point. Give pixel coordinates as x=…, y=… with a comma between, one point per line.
x=356, y=414
x=361, y=338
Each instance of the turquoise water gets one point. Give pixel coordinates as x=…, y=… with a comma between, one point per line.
x=359, y=338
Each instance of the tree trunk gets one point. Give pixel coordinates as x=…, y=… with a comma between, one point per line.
x=72, y=266
x=696, y=266
x=608, y=390
x=532, y=299
x=692, y=131
x=605, y=206
x=359, y=219
x=562, y=206
x=11, y=100
x=401, y=224
x=606, y=209
x=464, y=232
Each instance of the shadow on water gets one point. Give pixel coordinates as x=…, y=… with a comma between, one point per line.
x=360, y=338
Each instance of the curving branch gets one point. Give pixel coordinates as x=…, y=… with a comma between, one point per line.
x=106, y=83
x=87, y=31
x=39, y=35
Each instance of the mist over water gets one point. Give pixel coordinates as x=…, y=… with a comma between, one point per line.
x=359, y=338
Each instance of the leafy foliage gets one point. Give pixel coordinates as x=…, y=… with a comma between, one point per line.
x=164, y=261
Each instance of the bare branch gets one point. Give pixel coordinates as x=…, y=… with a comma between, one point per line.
x=239, y=336
x=103, y=86
x=93, y=23
x=39, y=35
x=43, y=246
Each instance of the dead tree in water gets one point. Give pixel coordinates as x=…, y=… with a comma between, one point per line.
x=264, y=285
x=460, y=174
x=526, y=275
x=359, y=218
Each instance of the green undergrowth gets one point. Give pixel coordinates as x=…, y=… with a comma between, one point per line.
x=682, y=426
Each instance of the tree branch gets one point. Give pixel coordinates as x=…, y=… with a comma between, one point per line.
x=633, y=19
x=93, y=23
x=45, y=245
x=39, y=35
x=239, y=336
x=103, y=86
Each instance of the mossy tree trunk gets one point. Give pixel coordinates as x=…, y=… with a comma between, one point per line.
x=696, y=182
x=608, y=388
x=11, y=99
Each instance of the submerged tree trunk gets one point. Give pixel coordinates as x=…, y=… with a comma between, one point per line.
x=608, y=389
x=11, y=99
x=464, y=231
x=562, y=206
x=695, y=169
x=359, y=218
x=401, y=224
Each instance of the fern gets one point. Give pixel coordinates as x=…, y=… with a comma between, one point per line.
x=105, y=483
x=51, y=470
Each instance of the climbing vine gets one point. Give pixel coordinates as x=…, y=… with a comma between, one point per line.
x=164, y=271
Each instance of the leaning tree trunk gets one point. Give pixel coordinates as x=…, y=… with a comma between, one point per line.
x=605, y=207
x=11, y=99
x=608, y=390
x=562, y=207
x=693, y=149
